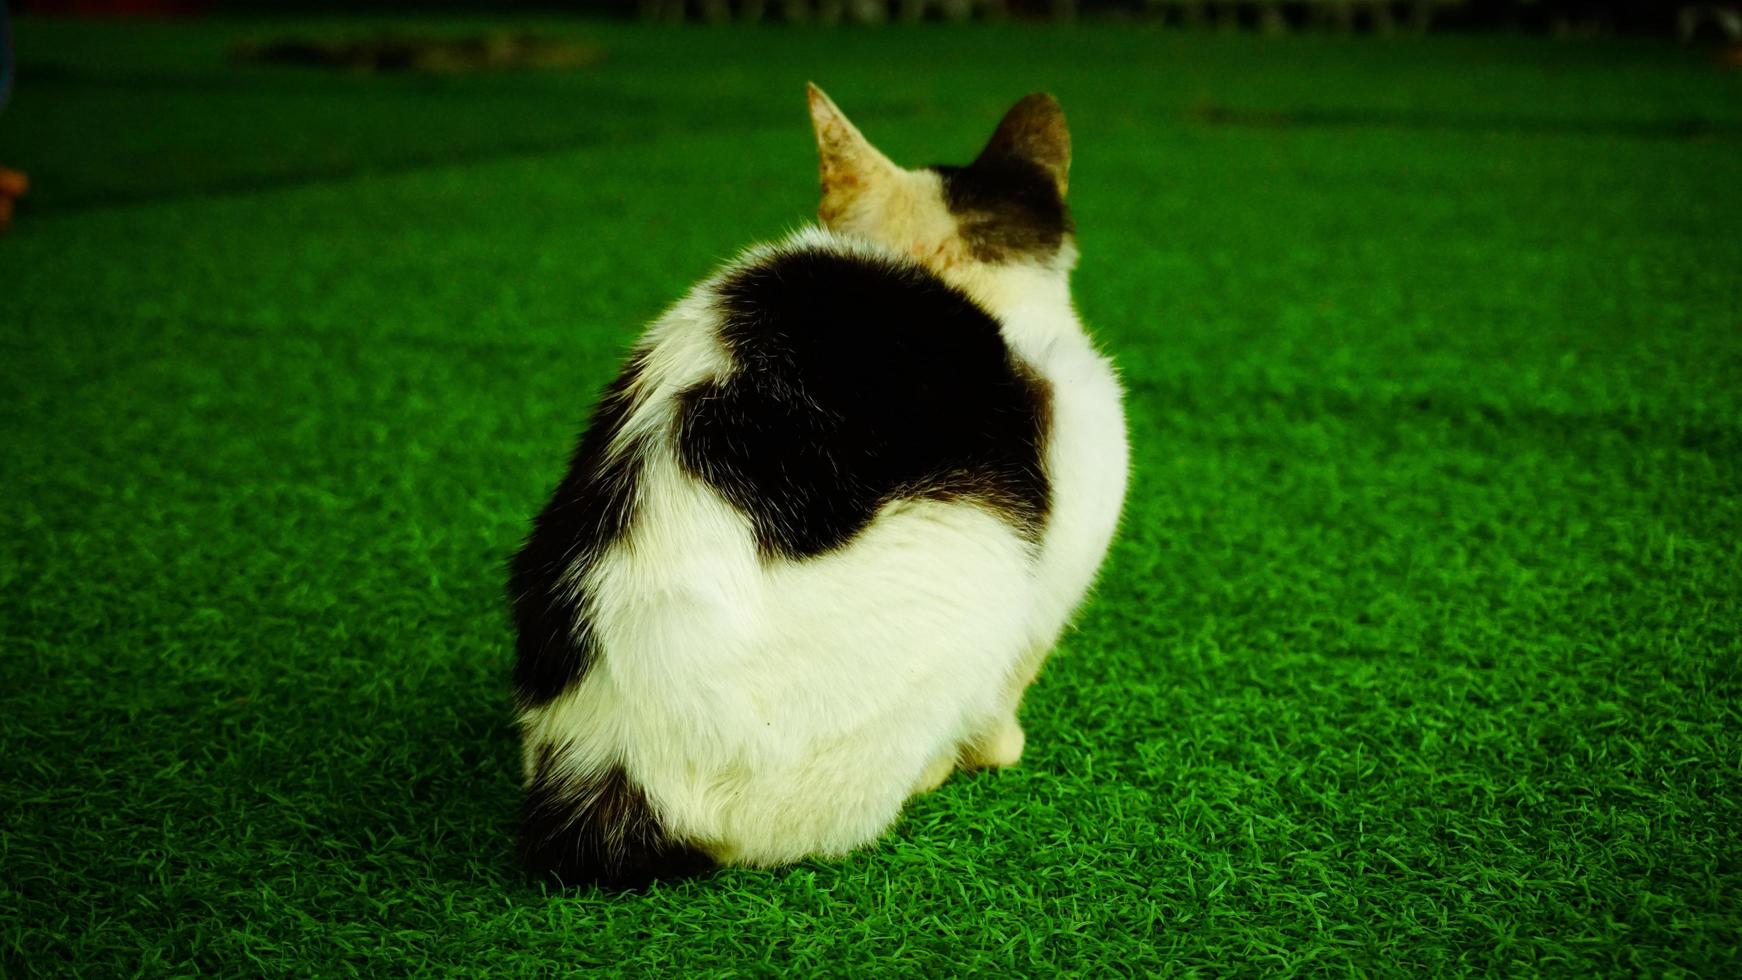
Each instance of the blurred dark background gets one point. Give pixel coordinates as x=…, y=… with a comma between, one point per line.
x=1690, y=20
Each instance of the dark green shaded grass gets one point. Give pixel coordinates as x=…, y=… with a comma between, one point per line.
x=1418, y=653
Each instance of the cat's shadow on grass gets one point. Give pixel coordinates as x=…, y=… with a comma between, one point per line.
x=414, y=781
x=399, y=787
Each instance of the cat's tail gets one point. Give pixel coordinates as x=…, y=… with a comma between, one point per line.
x=600, y=830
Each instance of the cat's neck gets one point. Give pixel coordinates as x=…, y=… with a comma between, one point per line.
x=1033, y=303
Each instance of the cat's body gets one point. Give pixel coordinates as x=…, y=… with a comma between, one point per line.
x=820, y=534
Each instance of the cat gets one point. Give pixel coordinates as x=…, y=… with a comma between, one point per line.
x=824, y=526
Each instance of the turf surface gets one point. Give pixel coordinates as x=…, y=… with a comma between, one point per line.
x=1418, y=653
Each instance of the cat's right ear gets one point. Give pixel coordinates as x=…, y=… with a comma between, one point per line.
x=849, y=164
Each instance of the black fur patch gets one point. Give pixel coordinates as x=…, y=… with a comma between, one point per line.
x=590, y=508
x=1006, y=208
x=860, y=381
x=599, y=831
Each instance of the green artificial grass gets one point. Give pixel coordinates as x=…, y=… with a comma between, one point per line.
x=1417, y=654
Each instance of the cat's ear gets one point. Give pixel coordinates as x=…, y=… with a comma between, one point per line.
x=849, y=164
x=1034, y=130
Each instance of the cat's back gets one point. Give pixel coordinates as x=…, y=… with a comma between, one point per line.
x=791, y=395
x=842, y=311
x=858, y=377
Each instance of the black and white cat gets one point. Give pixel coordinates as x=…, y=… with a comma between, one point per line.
x=824, y=526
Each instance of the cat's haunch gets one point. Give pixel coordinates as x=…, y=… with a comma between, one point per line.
x=824, y=527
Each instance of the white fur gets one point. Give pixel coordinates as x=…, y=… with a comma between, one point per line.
x=773, y=709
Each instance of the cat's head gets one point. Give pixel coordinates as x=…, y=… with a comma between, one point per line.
x=1003, y=213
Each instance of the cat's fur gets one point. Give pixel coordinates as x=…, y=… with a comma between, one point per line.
x=824, y=527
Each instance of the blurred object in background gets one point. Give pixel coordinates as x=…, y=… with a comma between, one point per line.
x=828, y=12
x=1697, y=20
x=13, y=184
x=390, y=51
x=1282, y=16
x=120, y=8
x=1566, y=18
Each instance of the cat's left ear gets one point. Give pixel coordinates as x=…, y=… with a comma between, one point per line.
x=850, y=165
x=1034, y=130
